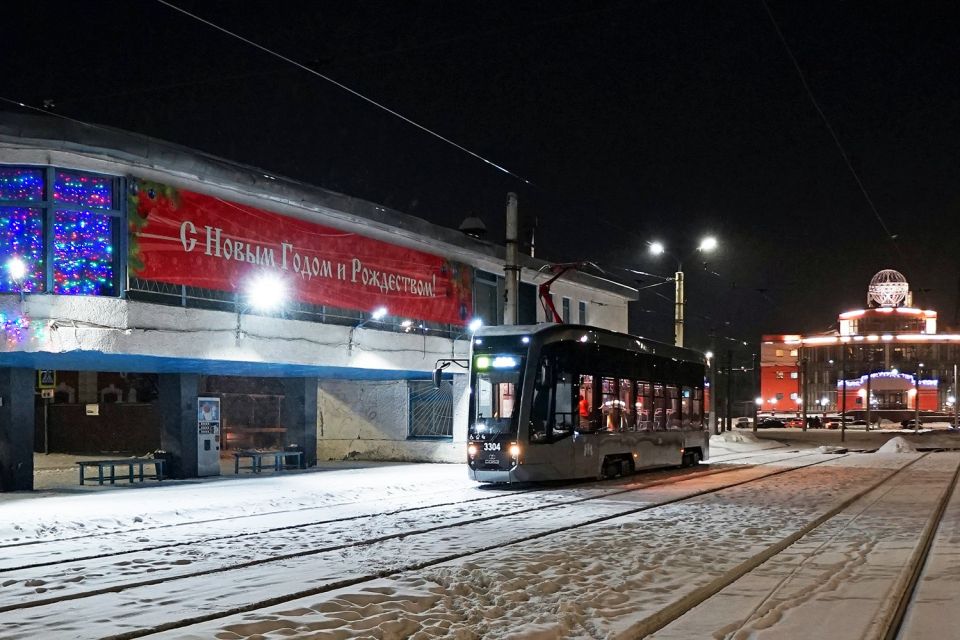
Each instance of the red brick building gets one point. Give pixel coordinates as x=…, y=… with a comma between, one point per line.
x=889, y=352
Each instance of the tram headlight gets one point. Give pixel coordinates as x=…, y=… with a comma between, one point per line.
x=514, y=450
x=472, y=450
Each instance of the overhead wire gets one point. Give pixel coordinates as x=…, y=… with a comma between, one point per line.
x=349, y=90
x=833, y=134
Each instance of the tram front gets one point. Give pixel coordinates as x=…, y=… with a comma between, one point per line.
x=496, y=378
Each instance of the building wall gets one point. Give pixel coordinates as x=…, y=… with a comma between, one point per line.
x=369, y=420
x=772, y=385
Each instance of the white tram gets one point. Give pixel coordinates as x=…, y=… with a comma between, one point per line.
x=552, y=402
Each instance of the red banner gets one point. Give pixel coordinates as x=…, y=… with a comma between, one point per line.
x=187, y=238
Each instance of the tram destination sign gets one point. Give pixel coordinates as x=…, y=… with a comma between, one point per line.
x=187, y=238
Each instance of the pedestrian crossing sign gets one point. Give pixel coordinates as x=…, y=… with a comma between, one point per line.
x=46, y=378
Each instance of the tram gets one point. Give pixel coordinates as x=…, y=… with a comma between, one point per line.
x=559, y=401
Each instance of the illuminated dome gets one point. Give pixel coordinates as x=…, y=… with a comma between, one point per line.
x=888, y=288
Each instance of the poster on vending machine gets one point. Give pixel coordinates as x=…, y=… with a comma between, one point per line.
x=208, y=412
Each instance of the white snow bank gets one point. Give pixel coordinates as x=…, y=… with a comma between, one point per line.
x=897, y=445
x=735, y=436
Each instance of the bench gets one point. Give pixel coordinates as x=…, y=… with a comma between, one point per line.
x=256, y=460
x=130, y=463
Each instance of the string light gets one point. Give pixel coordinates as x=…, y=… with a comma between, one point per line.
x=84, y=190
x=21, y=184
x=82, y=253
x=21, y=236
x=16, y=328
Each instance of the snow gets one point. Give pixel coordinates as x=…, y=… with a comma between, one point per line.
x=897, y=445
x=807, y=540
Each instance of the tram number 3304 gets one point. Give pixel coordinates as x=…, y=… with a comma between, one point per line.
x=491, y=446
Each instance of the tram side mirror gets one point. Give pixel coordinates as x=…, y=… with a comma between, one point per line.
x=437, y=375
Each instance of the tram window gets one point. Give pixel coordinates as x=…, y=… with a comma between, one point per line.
x=588, y=415
x=659, y=408
x=673, y=407
x=540, y=409
x=610, y=404
x=496, y=399
x=552, y=414
x=696, y=415
x=563, y=415
x=626, y=418
x=644, y=407
x=686, y=407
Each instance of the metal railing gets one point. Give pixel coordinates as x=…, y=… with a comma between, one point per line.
x=165, y=293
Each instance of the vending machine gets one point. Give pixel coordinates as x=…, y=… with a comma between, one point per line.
x=208, y=437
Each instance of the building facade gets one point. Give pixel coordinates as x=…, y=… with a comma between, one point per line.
x=138, y=276
x=888, y=352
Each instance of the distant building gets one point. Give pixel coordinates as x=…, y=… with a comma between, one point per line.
x=890, y=352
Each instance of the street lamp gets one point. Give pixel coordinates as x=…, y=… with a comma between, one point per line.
x=657, y=248
x=265, y=293
x=378, y=314
x=472, y=327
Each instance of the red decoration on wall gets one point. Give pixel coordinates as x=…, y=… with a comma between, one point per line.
x=182, y=237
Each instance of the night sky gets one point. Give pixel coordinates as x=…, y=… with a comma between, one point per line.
x=633, y=121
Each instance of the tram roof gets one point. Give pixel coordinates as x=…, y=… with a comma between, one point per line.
x=595, y=335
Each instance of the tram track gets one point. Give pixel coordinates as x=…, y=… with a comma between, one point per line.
x=851, y=551
x=52, y=602
x=35, y=548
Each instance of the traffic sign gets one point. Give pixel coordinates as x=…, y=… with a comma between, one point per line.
x=46, y=378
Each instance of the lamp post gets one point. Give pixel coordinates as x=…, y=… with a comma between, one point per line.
x=657, y=248
x=378, y=314
x=916, y=398
x=472, y=327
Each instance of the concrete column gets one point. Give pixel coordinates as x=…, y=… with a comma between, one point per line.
x=299, y=415
x=16, y=429
x=178, y=419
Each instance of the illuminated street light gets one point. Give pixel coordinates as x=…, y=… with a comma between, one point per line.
x=17, y=270
x=265, y=292
x=378, y=314
x=707, y=245
x=758, y=401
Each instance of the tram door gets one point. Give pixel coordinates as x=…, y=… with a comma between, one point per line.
x=587, y=436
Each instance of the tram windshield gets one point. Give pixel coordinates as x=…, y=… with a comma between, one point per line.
x=496, y=389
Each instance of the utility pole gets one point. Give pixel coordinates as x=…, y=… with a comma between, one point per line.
x=679, y=303
x=754, y=389
x=726, y=418
x=512, y=267
x=803, y=388
x=843, y=398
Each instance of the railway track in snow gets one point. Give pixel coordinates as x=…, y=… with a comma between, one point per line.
x=861, y=571
x=33, y=554
x=122, y=584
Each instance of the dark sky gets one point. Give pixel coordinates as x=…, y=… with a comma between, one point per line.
x=634, y=120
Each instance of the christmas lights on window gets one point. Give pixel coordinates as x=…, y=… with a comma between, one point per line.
x=18, y=183
x=83, y=253
x=21, y=237
x=83, y=189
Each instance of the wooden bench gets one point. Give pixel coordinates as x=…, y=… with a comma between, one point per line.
x=130, y=463
x=256, y=460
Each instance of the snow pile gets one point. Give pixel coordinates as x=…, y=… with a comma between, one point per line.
x=825, y=448
x=735, y=436
x=897, y=445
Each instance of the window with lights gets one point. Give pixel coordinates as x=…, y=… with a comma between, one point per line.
x=64, y=228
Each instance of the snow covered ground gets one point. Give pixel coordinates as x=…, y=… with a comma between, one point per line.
x=768, y=541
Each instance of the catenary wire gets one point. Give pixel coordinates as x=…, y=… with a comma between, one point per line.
x=348, y=90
